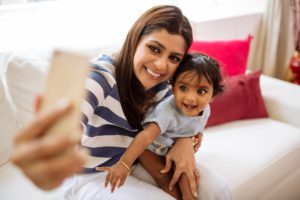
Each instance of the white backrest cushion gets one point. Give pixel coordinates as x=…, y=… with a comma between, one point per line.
x=24, y=78
x=281, y=99
x=26, y=74
x=8, y=127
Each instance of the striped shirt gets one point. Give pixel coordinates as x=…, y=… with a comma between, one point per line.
x=107, y=132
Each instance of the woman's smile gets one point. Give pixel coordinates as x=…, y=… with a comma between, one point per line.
x=152, y=74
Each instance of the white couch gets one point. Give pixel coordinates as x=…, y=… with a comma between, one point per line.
x=259, y=158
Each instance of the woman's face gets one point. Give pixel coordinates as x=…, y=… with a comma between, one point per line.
x=157, y=56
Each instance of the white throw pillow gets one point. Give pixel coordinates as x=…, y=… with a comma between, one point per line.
x=8, y=127
x=26, y=75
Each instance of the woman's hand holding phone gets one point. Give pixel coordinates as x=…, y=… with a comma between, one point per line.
x=46, y=149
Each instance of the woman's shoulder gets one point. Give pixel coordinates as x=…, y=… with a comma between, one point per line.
x=103, y=70
x=103, y=63
x=162, y=91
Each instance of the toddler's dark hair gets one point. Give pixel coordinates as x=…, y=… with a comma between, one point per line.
x=204, y=66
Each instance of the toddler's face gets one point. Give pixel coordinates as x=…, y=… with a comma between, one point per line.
x=192, y=94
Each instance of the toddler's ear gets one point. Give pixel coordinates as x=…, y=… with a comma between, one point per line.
x=211, y=100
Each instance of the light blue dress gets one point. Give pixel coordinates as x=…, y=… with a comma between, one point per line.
x=173, y=124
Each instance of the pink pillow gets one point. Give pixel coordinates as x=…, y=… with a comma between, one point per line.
x=232, y=55
x=241, y=99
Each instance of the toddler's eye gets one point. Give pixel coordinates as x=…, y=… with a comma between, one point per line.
x=183, y=88
x=201, y=91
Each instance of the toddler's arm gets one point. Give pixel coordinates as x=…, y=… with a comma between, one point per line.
x=117, y=173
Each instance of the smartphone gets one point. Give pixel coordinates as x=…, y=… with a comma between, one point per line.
x=66, y=79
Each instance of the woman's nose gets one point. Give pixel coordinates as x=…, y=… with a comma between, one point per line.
x=161, y=63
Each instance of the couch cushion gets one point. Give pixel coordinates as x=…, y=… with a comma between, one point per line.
x=26, y=75
x=14, y=185
x=8, y=127
x=285, y=109
x=255, y=156
x=242, y=99
x=232, y=55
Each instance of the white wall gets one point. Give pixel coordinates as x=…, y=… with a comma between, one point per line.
x=91, y=23
x=68, y=23
x=207, y=10
x=7, y=2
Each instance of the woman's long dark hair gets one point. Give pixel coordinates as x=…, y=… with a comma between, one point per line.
x=132, y=93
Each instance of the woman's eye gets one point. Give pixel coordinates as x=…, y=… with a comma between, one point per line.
x=183, y=88
x=154, y=49
x=201, y=91
x=175, y=59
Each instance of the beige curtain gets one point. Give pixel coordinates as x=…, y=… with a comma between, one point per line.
x=274, y=43
x=295, y=9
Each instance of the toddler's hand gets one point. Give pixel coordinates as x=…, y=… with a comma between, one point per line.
x=116, y=174
x=197, y=140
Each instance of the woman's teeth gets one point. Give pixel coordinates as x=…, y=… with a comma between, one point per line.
x=152, y=73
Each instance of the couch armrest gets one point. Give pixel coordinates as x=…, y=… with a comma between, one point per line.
x=282, y=100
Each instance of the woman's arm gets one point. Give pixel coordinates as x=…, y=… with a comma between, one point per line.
x=154, y=164
x=182, y=154
x=47, y=161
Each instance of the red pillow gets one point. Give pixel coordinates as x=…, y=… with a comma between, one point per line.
x=241, y=99
x=232, y=55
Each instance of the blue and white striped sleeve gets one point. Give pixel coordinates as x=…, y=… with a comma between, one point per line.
x=98, y=84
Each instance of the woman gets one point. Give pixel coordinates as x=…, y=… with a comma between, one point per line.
x=126, y=85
